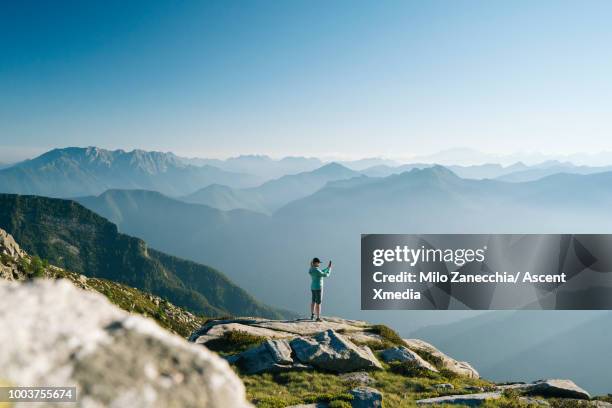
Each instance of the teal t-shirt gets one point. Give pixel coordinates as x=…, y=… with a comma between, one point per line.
x=317, y=275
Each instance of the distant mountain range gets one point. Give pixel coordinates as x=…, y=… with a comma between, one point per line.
x=517, y=172
x=72, y=237
x=76, y=171
x=260, y=165
x=272, y=194
x=252, y=182
x=467, y=157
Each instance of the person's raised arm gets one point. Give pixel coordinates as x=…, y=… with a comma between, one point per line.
x=327, y=271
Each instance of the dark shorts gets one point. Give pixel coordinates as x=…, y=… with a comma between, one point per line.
x=316, y=295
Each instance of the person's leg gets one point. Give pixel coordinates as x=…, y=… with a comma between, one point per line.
x=312, y=304
x=320, y=302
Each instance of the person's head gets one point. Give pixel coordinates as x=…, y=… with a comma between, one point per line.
x=315, y=262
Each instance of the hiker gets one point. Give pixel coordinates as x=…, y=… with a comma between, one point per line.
x=316, y=286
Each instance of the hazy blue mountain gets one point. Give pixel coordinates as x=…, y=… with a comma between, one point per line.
x=77, y=171
x=273, y=194
x=383, y=170
x=226, y=198
x=528, y=345
x=71, y=236
x=261, y=165
x=549, y=168
x=479, y=171
x=363, y=164
x=191, y=231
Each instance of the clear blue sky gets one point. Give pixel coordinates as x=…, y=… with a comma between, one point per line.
x=353, y=78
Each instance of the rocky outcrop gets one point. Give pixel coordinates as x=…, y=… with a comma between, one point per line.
x=288, y=329
x=11, y=255
x=55, y=333
x=303, y=334
x=470, y=400
x=404, y=354
x=9, y=247
x=458, y=367
x=330, y=351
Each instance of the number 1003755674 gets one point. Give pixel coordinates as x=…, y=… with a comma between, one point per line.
x=38, y=394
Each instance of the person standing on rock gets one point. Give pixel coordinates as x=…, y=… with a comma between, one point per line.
x=316, y=286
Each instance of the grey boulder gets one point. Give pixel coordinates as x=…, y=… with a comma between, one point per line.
x=271, y=356
x=330, y=351
x=54, y=333
x=366, y=397
x=405, y=354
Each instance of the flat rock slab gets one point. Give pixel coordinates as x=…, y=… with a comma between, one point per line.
x=458, y=367
x=557, y=388
x=219, y=330
x=467, y=399
x=54, y=333
x=549, y=388
x=307, y=327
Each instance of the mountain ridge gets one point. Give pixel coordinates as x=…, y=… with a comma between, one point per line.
x=75, y=171
x=72, y=237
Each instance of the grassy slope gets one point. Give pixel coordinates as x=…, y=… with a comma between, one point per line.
x=167, y=315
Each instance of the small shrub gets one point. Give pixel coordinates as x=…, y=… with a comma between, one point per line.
x=6, y=259
x=387, y=333
x=24, y=265
x=326, y=398
x=448, y=374
x=430, y=358
x=411, y=369
x=37, y=268
x=235, y=341
x=339, y=404
x=375, y=345
x=271, y=402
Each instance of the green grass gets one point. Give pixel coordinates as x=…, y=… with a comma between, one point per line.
x=411, y=369
x=605, y=398
x=292, y=388
x=234, y=341
x=387, y=334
